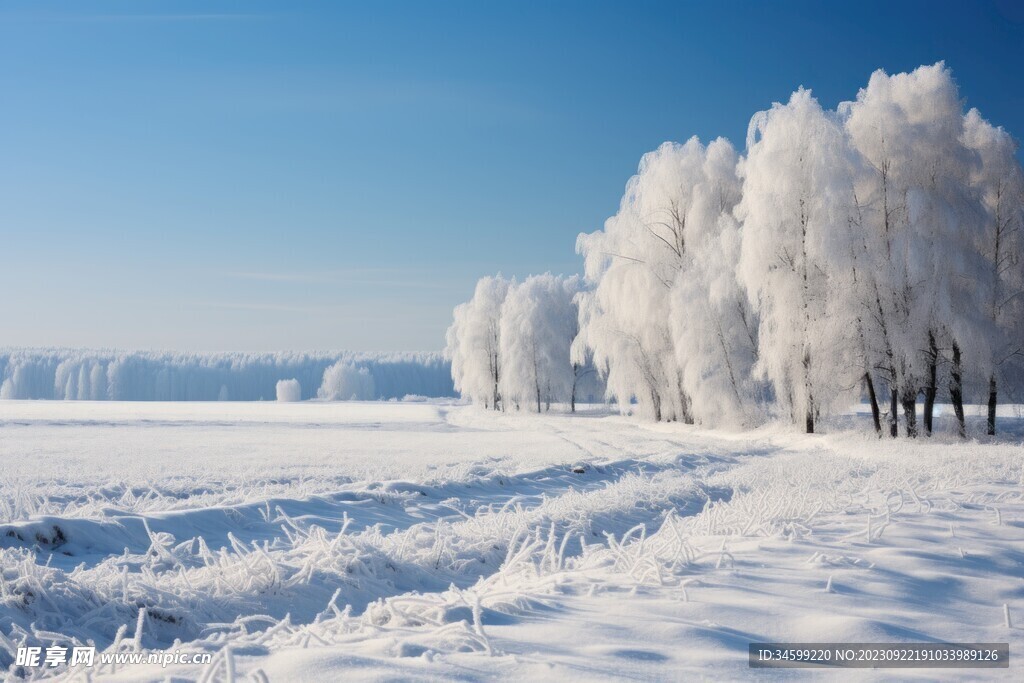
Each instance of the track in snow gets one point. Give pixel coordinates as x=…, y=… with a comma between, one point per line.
x=469, y=544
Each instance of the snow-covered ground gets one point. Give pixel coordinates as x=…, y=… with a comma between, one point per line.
x=430, y=540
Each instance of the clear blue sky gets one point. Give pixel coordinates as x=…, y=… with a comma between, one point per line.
x=317, y=175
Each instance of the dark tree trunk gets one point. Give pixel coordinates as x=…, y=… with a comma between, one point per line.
x=894, y=402
x=909, y=402
x=656, y=401
x=931, y=388
x=956, y=391
x=575, y=381
x=992, y=402
x=809, y=417
x=684, y=403
x=875, y=413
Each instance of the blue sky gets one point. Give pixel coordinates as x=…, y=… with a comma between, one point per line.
x=323, y=175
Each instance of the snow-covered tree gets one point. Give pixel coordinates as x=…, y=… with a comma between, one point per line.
x=875, y=247
x=999, y=181
x=161, y=376
x=473, y=343
x=881, y=225
x=288, y=391
x=713, y=327
x=343, y=381
x=797, y=191
x=918, y=216
x=632, y=265
x=538, y=324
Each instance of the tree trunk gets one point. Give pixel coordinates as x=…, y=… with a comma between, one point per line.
x=684, y=403
x=875, y=413
x=992, y=402
x=930, y=389
x=894, y=398
x=656, y=401
x=956, y=391
x=909, y=402
x=575, y=381
x=809, y=417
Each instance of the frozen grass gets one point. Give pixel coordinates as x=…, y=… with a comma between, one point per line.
x=539, y=547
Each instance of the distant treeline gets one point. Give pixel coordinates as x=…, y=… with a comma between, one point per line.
x=157, y=376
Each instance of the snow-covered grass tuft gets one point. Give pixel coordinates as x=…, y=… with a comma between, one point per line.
x=461, y=560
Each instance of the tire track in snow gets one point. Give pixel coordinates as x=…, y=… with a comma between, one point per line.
x=289, y=556
x=390, y=506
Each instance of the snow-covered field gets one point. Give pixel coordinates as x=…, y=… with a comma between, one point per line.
x=321, y=541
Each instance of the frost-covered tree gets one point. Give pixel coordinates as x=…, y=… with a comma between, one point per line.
x=161, y=376
x=944, y=217
x=878, y=231
x=857, y=290
x=473, y=343
x=538, y=325
x=343, y=381
x=288, y=391
x=917, y=215
x=999, y=181
x=510, y=344
x=797, y=190
x=878, y=246
x=632, y=265
x=713, y=327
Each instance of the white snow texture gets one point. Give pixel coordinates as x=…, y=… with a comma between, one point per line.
x=425, y=541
